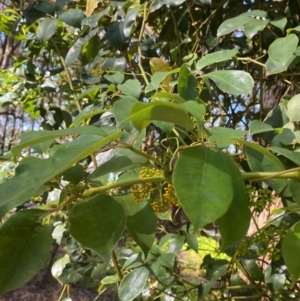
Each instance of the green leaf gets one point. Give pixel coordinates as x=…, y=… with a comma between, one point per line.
x=235, y=222
x=258, y=161
x=122, y=109
x=164, y=96
x=294, y=186
x=130, y=20
x=72, y=17
x=197, y=110
x=143, y=113
x=141, y=222
x=253, y=269
x=255, y=25
x=176, y=244
x=131, y=88
x=220, y=136
x=282, y=49
x=36, y=137
x=98, y=223
x=257, y=148
x=32, y=173
x=203, y=184
x=232, y=81
x=216, y=57
x=293, y=156
x=232, y=24
x=115, y=78
x=293, y=109
x=187, y=84
x=133, y=284
x=290, y=251
x=257, y=126
x=24, y=247
x=279, y=22
x=167, y=260
x=122, y=163
x=46, y=29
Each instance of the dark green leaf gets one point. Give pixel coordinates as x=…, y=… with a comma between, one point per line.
x=72, y=17
x=259, y=162
x=115, y=35
x=235, y=222
x=203, y=184
x=24, y=247
x=131, y=88
x=122, y=109
x=293, y=156
x=142, y=114
x=46, y=29
x=176, y=244
x=290, y=251
x=133, y=284
x=294, y=186
x=187, y=84
x=130, y=20
x=167, y=260
x=98, y=223
x=141, y=222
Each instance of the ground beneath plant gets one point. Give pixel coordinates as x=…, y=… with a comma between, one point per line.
x=43, y=287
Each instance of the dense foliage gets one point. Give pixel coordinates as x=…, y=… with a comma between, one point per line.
x=161, y=122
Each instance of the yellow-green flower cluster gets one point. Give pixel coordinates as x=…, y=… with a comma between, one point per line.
x=167, y=200
x=142, y=191
x=259, y=198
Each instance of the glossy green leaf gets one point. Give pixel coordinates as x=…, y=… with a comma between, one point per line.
x=279, y=22
x=59, y=265
x=294, y=186
x=293, y=156
x=293, y=109
x=254, y=26
x=35, y=137
x=187, y=84
x=159, y=272
x=118, y=164
x=290, y=251
x=24, y=247
x=131, y=88
x=259, y=162
x=115, y=34
x=122, y=109
x=98, y=223
x=197, y=110
x=32, y=173
x=282, y=49
x=219, y=136
x=143, y=113
x=72, y=17
x=273, y=67
x=203, y=184
x=253, y=269
x=232, y=81
x=167, y=260
x=176, y=244
x=216, y=57
x=257, y=126
x=92, y=21
x=133, y=284
x=130, y=20
x=235, y=222
x=165, y=96
x=232, y=24
x=141, y=221
x=46, y=29
x=258, y=148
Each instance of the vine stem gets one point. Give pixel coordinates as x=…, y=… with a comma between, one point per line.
x=69, y=79
x=139, y=45
x=96, y=190
x=261, y=176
